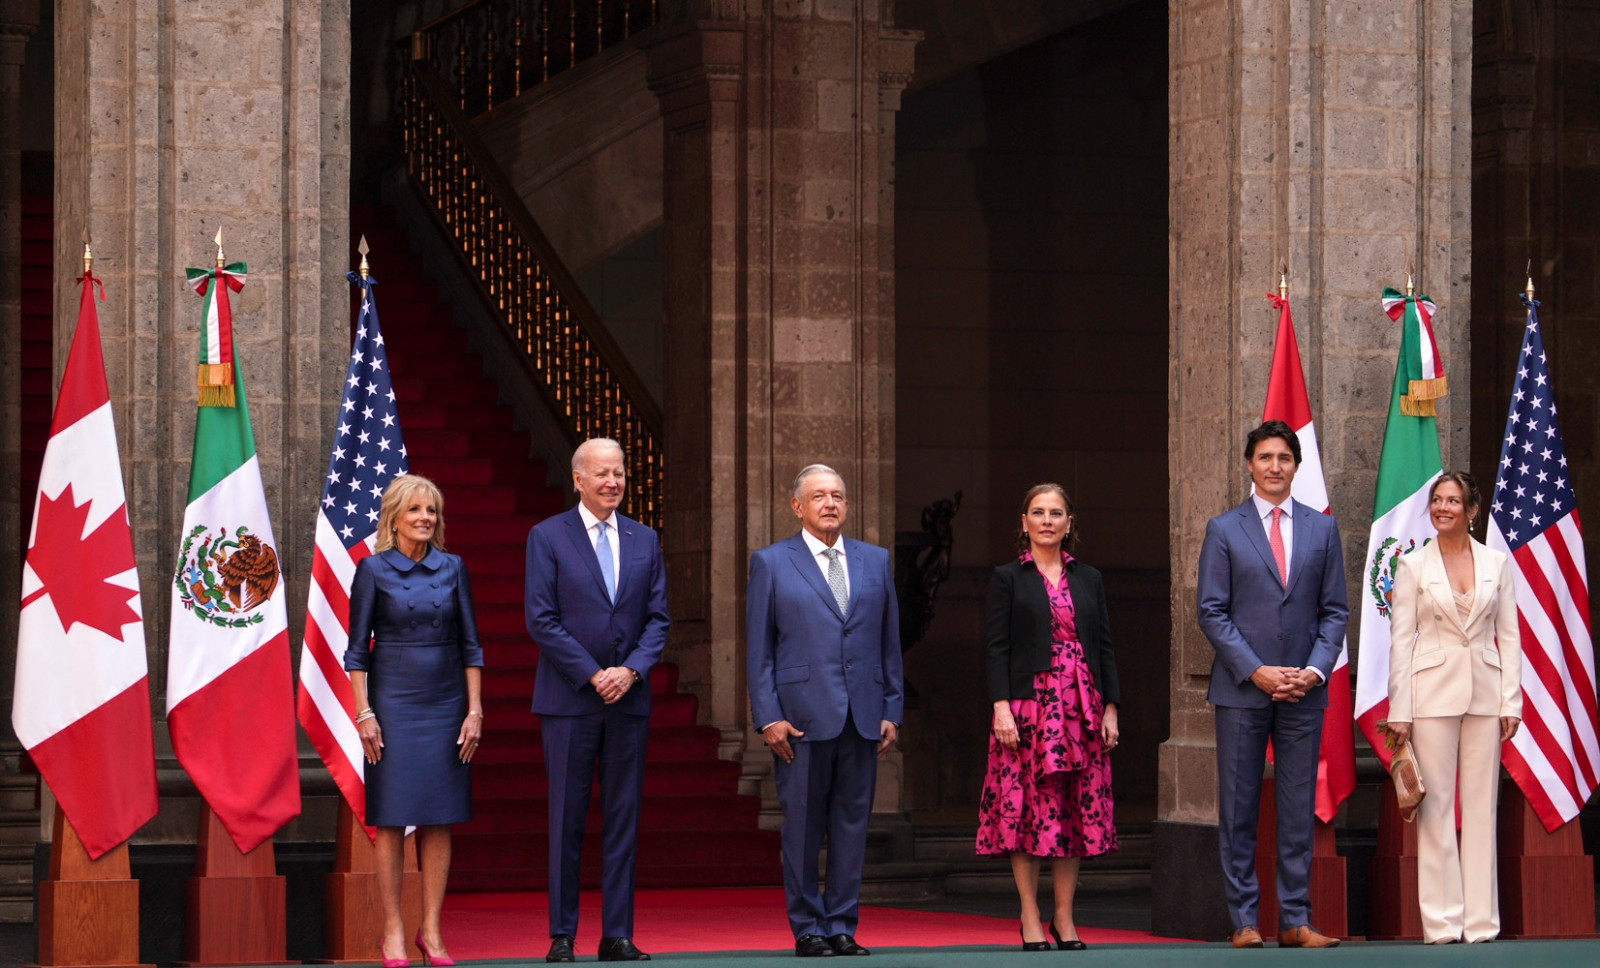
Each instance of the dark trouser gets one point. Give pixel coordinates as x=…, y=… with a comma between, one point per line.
x=572, y=746
x=1242, y=733
x=827, y=790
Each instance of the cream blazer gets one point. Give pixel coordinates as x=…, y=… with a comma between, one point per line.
x=1440, y=665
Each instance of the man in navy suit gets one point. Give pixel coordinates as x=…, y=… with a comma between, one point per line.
x=1272, y=601
x=596, y=604
x=823, y=635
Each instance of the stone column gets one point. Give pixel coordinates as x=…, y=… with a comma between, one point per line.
x=18, y=19
x=171, y=123
x=779, y=297
x=1336, y=137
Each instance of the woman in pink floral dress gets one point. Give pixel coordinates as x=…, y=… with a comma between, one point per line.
x=1053, y=679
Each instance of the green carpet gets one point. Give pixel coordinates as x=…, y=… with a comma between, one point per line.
x=1370, y=954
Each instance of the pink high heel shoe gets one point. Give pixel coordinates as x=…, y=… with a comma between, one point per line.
x=392, y=962
x=428, y=957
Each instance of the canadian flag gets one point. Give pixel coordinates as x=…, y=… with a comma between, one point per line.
x=82, y=700
x=1288, y=401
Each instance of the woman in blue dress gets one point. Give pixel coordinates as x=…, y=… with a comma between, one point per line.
x=416, y=670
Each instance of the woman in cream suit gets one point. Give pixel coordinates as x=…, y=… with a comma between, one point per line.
x=1455, y=690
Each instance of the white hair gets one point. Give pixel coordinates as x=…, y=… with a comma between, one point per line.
x=810, y=469
x=590, y=446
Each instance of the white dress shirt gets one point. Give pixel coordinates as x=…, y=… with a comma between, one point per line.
x=1286, y=531
x=820, y=556
x=592, y=525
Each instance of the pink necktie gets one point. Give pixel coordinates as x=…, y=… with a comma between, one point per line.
x=1276, y=540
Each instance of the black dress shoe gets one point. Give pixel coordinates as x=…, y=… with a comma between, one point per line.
x=812, y=946
x=1032, y=945
x=560, y=949
x=1066, y=944
x=844, y=944
x=620, y=949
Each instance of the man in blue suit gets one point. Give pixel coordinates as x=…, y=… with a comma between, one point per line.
x=1272, y=601
x=823, y=636
x=596, y=604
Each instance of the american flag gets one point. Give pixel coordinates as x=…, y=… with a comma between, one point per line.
x=368, y=453
x=1534, y=519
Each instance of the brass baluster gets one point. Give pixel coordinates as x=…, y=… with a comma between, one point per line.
x=488, y=57
x=572, y=34
x=599, y=25
x=627, y=19
x=544, y=40
x=516, y=48
x=461, y=59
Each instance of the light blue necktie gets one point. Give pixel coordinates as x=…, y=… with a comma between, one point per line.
x=602, y=550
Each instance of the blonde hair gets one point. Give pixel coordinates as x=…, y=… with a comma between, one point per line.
x=395, y=497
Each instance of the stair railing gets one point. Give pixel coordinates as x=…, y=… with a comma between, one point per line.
x=496, y=49
x=566, y=348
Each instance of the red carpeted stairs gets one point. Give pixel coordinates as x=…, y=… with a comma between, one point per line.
x=696, y=830
x=38, y=294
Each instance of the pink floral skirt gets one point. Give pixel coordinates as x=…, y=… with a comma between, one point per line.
x=1051, y=796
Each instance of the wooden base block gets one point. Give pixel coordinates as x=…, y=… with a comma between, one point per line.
x=1393, y=912
x=85, y=923
x=234, y=921
x=1547, y=897
x=353, y=917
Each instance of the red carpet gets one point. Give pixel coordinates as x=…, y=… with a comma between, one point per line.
x=483, y=926
x=696, y=831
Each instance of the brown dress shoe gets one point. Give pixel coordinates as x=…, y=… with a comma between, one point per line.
x=1246, y=937
x=1305, y=936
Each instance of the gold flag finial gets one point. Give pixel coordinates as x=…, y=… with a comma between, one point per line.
x=362, y=248
x=1530, y=280
x=1411, y=290
x=88, y=257
x=219, y=248
x=1283, y=280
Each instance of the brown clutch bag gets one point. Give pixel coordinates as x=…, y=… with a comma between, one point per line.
x=1408, y=788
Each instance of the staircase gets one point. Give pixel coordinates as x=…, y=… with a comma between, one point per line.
x=695, y=829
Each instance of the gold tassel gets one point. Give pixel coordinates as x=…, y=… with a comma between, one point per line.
x=1428, y=389
x=1412, y=406
x=216, y=384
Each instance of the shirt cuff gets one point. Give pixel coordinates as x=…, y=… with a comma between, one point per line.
x=1320, y=674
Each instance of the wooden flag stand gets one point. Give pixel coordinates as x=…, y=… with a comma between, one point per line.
x=1546, y=880
x=234, y=906
x=1393, y=911
x=352, y=918
x=88, y=909
x=1329, y=897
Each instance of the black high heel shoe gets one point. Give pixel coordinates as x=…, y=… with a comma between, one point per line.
x=1066, y=944
x=1032, y=945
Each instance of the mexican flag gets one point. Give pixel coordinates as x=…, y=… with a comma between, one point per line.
x=1408, y=465
x=230, y=689
x=1287, y=400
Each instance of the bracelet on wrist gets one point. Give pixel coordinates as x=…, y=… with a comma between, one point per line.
x=474, y=712
x=368, y=714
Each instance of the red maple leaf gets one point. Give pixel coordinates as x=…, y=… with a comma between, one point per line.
x=74, y=567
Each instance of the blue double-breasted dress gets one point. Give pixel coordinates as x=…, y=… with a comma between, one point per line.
x=417, y=617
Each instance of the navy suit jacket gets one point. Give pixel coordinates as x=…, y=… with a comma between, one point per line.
x=577, y=628
x=1252, y=619
x=811, y=665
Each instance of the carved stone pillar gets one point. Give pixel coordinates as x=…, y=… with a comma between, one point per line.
x=778, y=204
x=1335, y=137
x=18, y=19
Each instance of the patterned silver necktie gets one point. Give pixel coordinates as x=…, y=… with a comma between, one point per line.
x=841, y=594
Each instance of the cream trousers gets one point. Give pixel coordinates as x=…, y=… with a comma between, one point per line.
x=1457, y=883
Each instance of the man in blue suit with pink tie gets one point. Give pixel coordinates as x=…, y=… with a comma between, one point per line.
x=823, y=639
x=1271, y=599
x=596, y=603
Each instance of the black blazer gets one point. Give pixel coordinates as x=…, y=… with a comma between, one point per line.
x=1016, y=630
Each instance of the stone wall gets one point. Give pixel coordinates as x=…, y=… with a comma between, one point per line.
x=1335, y=136
x=171, y=123
x=1031, y=326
